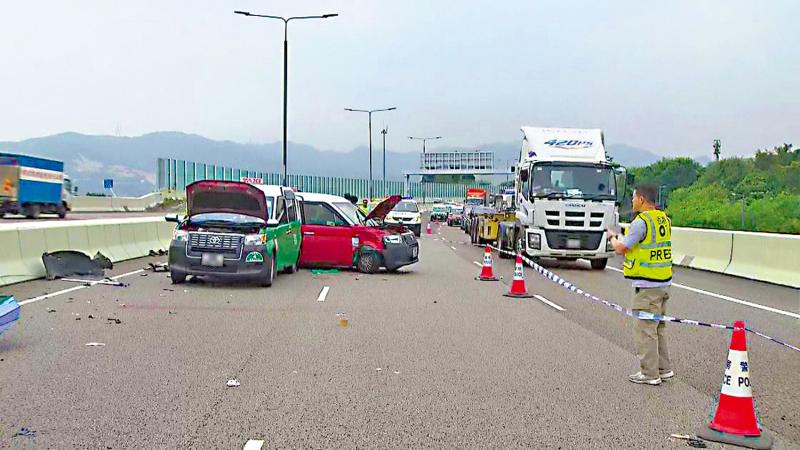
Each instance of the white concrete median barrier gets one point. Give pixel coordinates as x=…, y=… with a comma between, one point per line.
x=766, y=257
x=702, y=249
x=119, y=239
x=116, y=204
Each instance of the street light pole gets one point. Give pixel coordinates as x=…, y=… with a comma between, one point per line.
x=369, y=113
x=424, y=139
x=285, y=74
x=383, y=132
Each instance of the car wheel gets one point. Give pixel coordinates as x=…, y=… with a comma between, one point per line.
x=177, y=277
x=62, y=211
x=270, y=276
x=292, y=268
x=368, y=261
x=599, y=264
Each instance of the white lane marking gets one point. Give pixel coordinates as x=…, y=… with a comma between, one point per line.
x=452, y=247
x=73, y=289
x=729, y=299
x=323, y=293
x=548, y=302
x=253, y=444
x=477, y=263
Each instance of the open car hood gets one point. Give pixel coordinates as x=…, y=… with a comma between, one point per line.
x=383, y=208
x=216, y=196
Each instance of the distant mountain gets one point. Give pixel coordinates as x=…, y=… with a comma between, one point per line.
x=131, y=161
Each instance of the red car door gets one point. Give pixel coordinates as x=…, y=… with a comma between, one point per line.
x=327, y=238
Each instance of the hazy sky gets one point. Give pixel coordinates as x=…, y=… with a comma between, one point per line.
x=666, y=76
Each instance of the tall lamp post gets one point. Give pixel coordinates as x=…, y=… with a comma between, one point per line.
x=384, y=131
x=424, y=140
x=286, y=21
x=369, y=112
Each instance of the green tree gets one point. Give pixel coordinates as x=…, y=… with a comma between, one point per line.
x=778, y=214
x=727, y=172
x=754, y=183
x=703, y=207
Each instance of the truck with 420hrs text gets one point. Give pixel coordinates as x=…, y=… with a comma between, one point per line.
x=566, y=196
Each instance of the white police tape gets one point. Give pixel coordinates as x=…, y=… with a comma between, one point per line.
x=636, y=314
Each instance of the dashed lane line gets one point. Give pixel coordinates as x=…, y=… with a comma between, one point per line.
x=548, y=302
x=728, y=299
x=73, y=289
x=452, y=247
x=477, y=263
x=253, y=444
x=323, y=294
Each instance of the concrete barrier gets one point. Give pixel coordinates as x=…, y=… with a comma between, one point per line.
x=702, y=249
x=766, y=257
x=120, y=239
x=116, y=204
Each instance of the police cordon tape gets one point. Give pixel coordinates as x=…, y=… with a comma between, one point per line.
x=641, y=315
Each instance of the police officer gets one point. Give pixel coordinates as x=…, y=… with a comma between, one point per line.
x=648, y=263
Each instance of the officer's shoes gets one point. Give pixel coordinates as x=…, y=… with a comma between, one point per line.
x=640, y=378
x=666, y=375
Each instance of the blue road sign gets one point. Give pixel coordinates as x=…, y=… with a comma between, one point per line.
x=108, y=183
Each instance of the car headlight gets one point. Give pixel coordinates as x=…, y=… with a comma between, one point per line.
x=609, y=246
x=417, y=219
x=255, y=239
x=392, y=239
x=534, y=241
x=180, y=235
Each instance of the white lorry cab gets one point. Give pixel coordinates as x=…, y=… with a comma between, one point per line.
x=566, y=195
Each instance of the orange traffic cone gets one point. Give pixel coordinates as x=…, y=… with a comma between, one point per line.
x=486, y=269
x=518, y=289
x=735, y=420
x=428, y=228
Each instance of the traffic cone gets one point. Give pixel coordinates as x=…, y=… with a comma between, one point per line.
x=735, y=420
x=518, y=289
x=7, y=185
x=486, y=269
x=428, y=228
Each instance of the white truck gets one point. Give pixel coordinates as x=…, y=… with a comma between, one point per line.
x=566, y=196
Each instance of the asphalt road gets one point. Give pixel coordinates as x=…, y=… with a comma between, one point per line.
x=431, y=358
x=80, y=216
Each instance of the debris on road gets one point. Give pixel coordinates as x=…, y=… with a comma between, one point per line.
x=159, y=252
x=323, y=271
x=51, y=310
x=114, y=320
x=95, y=344
x=233, y=383
x=157, y=267
x=68, y=263
x=343, y=321
x=91, y=316
x=25, y=431
x=378, y=369
x=91, y=282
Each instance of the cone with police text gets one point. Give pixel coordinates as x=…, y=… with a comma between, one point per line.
x=518, y=289
x=428, y=228
x=486, y=270
x=735, y=419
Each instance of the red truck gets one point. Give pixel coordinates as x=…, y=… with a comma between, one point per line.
x=337, y=234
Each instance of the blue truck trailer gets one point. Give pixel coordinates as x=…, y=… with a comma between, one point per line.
x=32, y=186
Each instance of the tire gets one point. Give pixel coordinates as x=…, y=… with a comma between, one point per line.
x=177, y=277
x=267, y=282
x=599, y=264
x=503, y=245
x=61, y=211
x=291, y=269
x=32, y=211
x=368, y=261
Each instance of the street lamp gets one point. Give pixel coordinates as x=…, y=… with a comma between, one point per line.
x=285, y=71
x=424, y=139
x=369, y=112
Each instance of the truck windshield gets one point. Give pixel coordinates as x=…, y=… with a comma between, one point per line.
x=573, y=181
x=474, y=200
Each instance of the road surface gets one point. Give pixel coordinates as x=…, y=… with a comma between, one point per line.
x=431, y=358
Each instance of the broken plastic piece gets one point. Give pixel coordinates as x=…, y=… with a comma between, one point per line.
x=95, y=344
x=9, y=312
x=157, y=267
x=67, y=263
x=696, y=443
x=233, y=383
x=322, y=271
x=25, y=431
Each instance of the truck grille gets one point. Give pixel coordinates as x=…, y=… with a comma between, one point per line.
x=574, y=218
x=215, y=243
x=557, y=240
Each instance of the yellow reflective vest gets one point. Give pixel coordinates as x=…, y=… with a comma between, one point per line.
x=651, y=258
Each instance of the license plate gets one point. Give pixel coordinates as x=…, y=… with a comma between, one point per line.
x=414, y=252
x=211, y=260
x=573, y=243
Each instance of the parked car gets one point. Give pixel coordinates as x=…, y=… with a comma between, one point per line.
x=337, y=234
x=408, y=214
x=236, y=230
x=454, y=219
